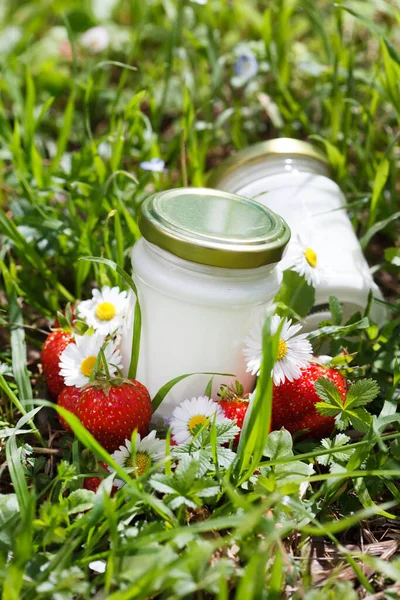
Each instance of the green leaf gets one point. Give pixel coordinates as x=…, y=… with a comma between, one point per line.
x=293, y=471
x=339, y=441
x=336, y=310
x=381, y=176
x=376, y=227
x=279, y=444
x=327, y=391
x=362, y=392
x=208, y=390
x=343, y=359
x=392, y=255
x=9, y=514
x=342, y=331
x=360, y=419
x=295, y=293
x=326, y=410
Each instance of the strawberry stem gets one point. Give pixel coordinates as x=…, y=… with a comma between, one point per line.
x=105, y=365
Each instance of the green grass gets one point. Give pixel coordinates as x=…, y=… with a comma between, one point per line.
x=74, y=128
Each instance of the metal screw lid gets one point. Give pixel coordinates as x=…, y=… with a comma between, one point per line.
x=214, y=228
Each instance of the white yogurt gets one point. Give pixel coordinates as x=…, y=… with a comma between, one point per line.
x=195, y=316
x=298, y=188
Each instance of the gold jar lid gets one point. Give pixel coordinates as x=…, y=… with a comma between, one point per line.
x=258, y=152
x=214, y=228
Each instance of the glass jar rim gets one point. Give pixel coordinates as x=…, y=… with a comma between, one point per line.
x=258, y=152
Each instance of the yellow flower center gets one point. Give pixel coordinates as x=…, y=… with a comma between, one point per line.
x=87, y=365
x=143, y=463
x=311, y=257
x=105, y=311
x=282, y=350
x=194, y=423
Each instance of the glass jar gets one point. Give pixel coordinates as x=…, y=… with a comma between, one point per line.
x=292, y=178
x=204, y=268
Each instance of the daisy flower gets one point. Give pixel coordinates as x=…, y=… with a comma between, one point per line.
x=106, y=310
x=96, y=39
x=149, y=451
x=294, y=351
x=78, y=360
x=304, y=260
x=191, y=415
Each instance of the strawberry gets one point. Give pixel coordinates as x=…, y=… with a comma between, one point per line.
x=293, y=402
x=52, y=349
x=92, y=483
x=68, y=399
x=111, y=411
x=234, y=403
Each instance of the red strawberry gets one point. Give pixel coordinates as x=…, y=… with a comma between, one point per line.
x=111, y=412
x=293, y=402
x=52, y=349
x=92, y=483
x=68, y=399
x=234, y=403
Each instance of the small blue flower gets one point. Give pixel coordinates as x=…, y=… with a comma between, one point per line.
x=246, y=66
x=156, y=165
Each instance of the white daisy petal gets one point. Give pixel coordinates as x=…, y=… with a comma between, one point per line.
x=105, y=312
x=302, y=258
x=77, y=360
x=294, y=351
x=191, y=414
x=149, y=452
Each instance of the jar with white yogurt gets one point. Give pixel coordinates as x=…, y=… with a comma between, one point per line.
x=205, y=268
x=292, y=178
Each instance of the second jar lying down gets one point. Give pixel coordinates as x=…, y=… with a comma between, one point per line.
x=292, y=178
x=204, y=269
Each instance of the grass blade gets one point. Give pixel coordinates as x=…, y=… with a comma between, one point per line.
x=167, y=387
x=18, y=351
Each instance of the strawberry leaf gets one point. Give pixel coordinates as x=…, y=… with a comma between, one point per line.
x=362, y=392
x=342, y=421
x=360, y=419
x=339, y=441
x=327, y=410
x=328, y=392
x=336, y=310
